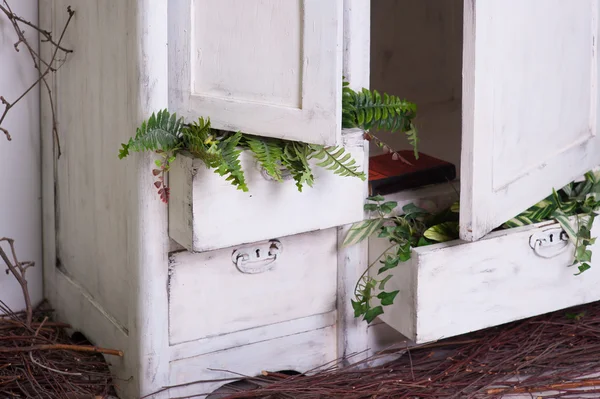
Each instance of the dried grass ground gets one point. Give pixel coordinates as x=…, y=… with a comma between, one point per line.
x=43, y=361
x=557, y=353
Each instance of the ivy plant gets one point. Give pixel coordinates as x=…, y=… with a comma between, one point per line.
x=574, y=207
x=413, y=228
x=168, y=135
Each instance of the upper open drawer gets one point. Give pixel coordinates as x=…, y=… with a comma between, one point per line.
x=266, y=67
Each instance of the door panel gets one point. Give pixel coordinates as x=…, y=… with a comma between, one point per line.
x=529, y=105
x=266, y=67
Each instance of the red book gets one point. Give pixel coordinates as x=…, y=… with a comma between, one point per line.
x=387, y=175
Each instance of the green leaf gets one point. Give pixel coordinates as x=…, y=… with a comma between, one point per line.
x=295, y=159
x=124, y=151
x=269, y=153
x=582, y=268
x=423, y=242
x=162, y=131
x=412, y=211
x=455, y=207
x=371, y=207
x=387, y=298
x=443, y=232
x=361, y=231
x=384, y=281
x=337, y=160
x=229, y=164
x=404, y=252
x=389, y=263
x=388, y=207
x=372, y=313
x=377, y=198
x=359, y=307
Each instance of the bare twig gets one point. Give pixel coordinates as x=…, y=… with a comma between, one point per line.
x=38, y=62
x=76, y=348
x=18, y=270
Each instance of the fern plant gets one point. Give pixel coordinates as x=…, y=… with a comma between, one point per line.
x=368, y=109
x=167, y=135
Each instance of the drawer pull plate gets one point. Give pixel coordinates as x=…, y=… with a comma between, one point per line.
x=549, y=243
x=258, y=258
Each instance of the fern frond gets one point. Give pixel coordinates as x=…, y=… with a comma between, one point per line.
x=199, y=141
x=295, y=159
x=368, y=109
x=268, y=152
x=162, y=131
x=229, y=164
x=337, y=160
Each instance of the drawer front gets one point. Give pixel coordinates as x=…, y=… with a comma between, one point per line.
x=297, y=352
x=206, y=212
x=453, y=288
x=210, y=296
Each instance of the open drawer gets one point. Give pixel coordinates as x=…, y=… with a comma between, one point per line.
x=457, y=287
x=206, y=212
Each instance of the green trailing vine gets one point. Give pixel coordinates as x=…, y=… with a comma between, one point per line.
x=168, y=135
x=574, y=207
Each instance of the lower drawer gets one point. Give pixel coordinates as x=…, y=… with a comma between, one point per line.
x=453, y=288
x=210, y=295
x=296, y=352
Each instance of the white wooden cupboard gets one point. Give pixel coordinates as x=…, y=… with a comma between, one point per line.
x=506, y=90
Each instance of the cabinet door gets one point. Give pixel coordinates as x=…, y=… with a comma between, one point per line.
x=266, y=67
x=530, y=105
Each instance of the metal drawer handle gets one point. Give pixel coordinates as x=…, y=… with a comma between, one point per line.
x=258, y=258
x=555, y=239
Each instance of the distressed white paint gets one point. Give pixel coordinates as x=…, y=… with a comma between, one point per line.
x=207, y=212
x=259, y=66
x=310, y=350
x=301, y=283
x=20, y=204
x=251, y=336
x=529, y=105
x=457, y=287
x=103, y=222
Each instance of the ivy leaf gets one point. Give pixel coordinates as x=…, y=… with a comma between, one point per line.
x=389, y=262
x=384, y=281
x=582, y=254
x=404, y=252
x=388, y=207
x=387, y=298
x=377, y=198
x=359, y=307
x=411, y=211
x=443, y=232
x=583, y=267
x=361, y=231
x=372, y=313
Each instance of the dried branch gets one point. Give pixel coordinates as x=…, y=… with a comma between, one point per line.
x=76, y=348
x=18, y=269
x=44, y=67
